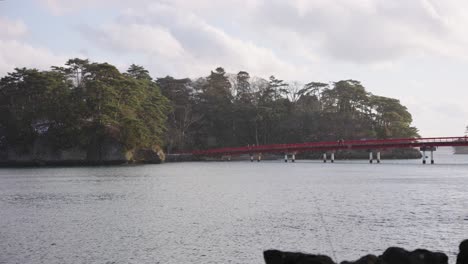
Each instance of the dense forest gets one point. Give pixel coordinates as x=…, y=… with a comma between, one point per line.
x=81, y=103
x=237, y=110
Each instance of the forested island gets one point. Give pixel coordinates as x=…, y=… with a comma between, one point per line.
x=91, y=113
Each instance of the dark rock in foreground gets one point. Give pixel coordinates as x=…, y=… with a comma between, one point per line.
x=393, y=255
x=280, y=257
x=462, y=257
x=368, y=259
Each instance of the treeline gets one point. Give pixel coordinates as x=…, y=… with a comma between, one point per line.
x=80, y=104
x=223, y=110
x=83, y=102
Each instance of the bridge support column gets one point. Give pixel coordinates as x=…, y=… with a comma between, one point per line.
x=332, y=158
x=285, y=157
x=424, y=156
x=229, y=157
x=251, y=158
x=259, y=157
x=293, y=157
x=432, y=156
x=378, y=157
x=371, y=158
x=324, y=157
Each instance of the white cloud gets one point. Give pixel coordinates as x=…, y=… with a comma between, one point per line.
x=183, y=43
x=150, y=40
x=17, y=54
x=62, y=7
x=370, y=31
x=358, y=31
x=11, y=29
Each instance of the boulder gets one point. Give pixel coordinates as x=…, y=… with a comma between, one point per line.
x=148, y=156
x=393, y=255
x=283, y=257
x=396, y=255
x=462, y=257
x=368, y=259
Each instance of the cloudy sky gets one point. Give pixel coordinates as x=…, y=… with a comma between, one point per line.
x=413, y=50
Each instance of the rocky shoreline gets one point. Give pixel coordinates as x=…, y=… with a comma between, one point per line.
x=110, y=153
x=106, y=153
x=393, y=255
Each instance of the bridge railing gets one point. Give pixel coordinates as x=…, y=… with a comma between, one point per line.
x=340, y=144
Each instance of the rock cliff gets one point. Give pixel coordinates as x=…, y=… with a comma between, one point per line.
x=106, y=152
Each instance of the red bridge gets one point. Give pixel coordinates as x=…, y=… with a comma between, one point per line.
x=425, y=144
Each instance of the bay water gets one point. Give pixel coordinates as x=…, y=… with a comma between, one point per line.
x=229, y=212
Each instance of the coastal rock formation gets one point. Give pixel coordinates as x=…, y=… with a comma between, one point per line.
x=462, y=257
x=106, y=152
x=368, y=259
x=149, y=156
x=281, y=257
x=393, y=255
x=396, y=255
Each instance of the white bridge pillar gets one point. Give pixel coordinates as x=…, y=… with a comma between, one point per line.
x=332, y=158
x=371, y=157
x=293, y=157
x=324, y=157
x=378, y=157
x=286, y=157
x=431, y=149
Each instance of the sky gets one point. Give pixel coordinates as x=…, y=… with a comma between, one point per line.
x=412, y=50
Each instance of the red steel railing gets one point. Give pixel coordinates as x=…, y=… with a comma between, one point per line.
x=336, y=145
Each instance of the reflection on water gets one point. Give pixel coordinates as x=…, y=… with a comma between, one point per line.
x=229, y=212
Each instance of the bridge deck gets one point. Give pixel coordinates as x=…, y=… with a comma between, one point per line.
x=372, y=144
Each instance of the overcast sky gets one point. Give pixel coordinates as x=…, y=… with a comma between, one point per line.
x=413, y=50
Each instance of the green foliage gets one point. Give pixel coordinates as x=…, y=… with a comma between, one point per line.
x=80, y=104
x=138, y=72
x=259, y=111
x=31, y=102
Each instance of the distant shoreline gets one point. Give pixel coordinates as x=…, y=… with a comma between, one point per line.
x=401, y=154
